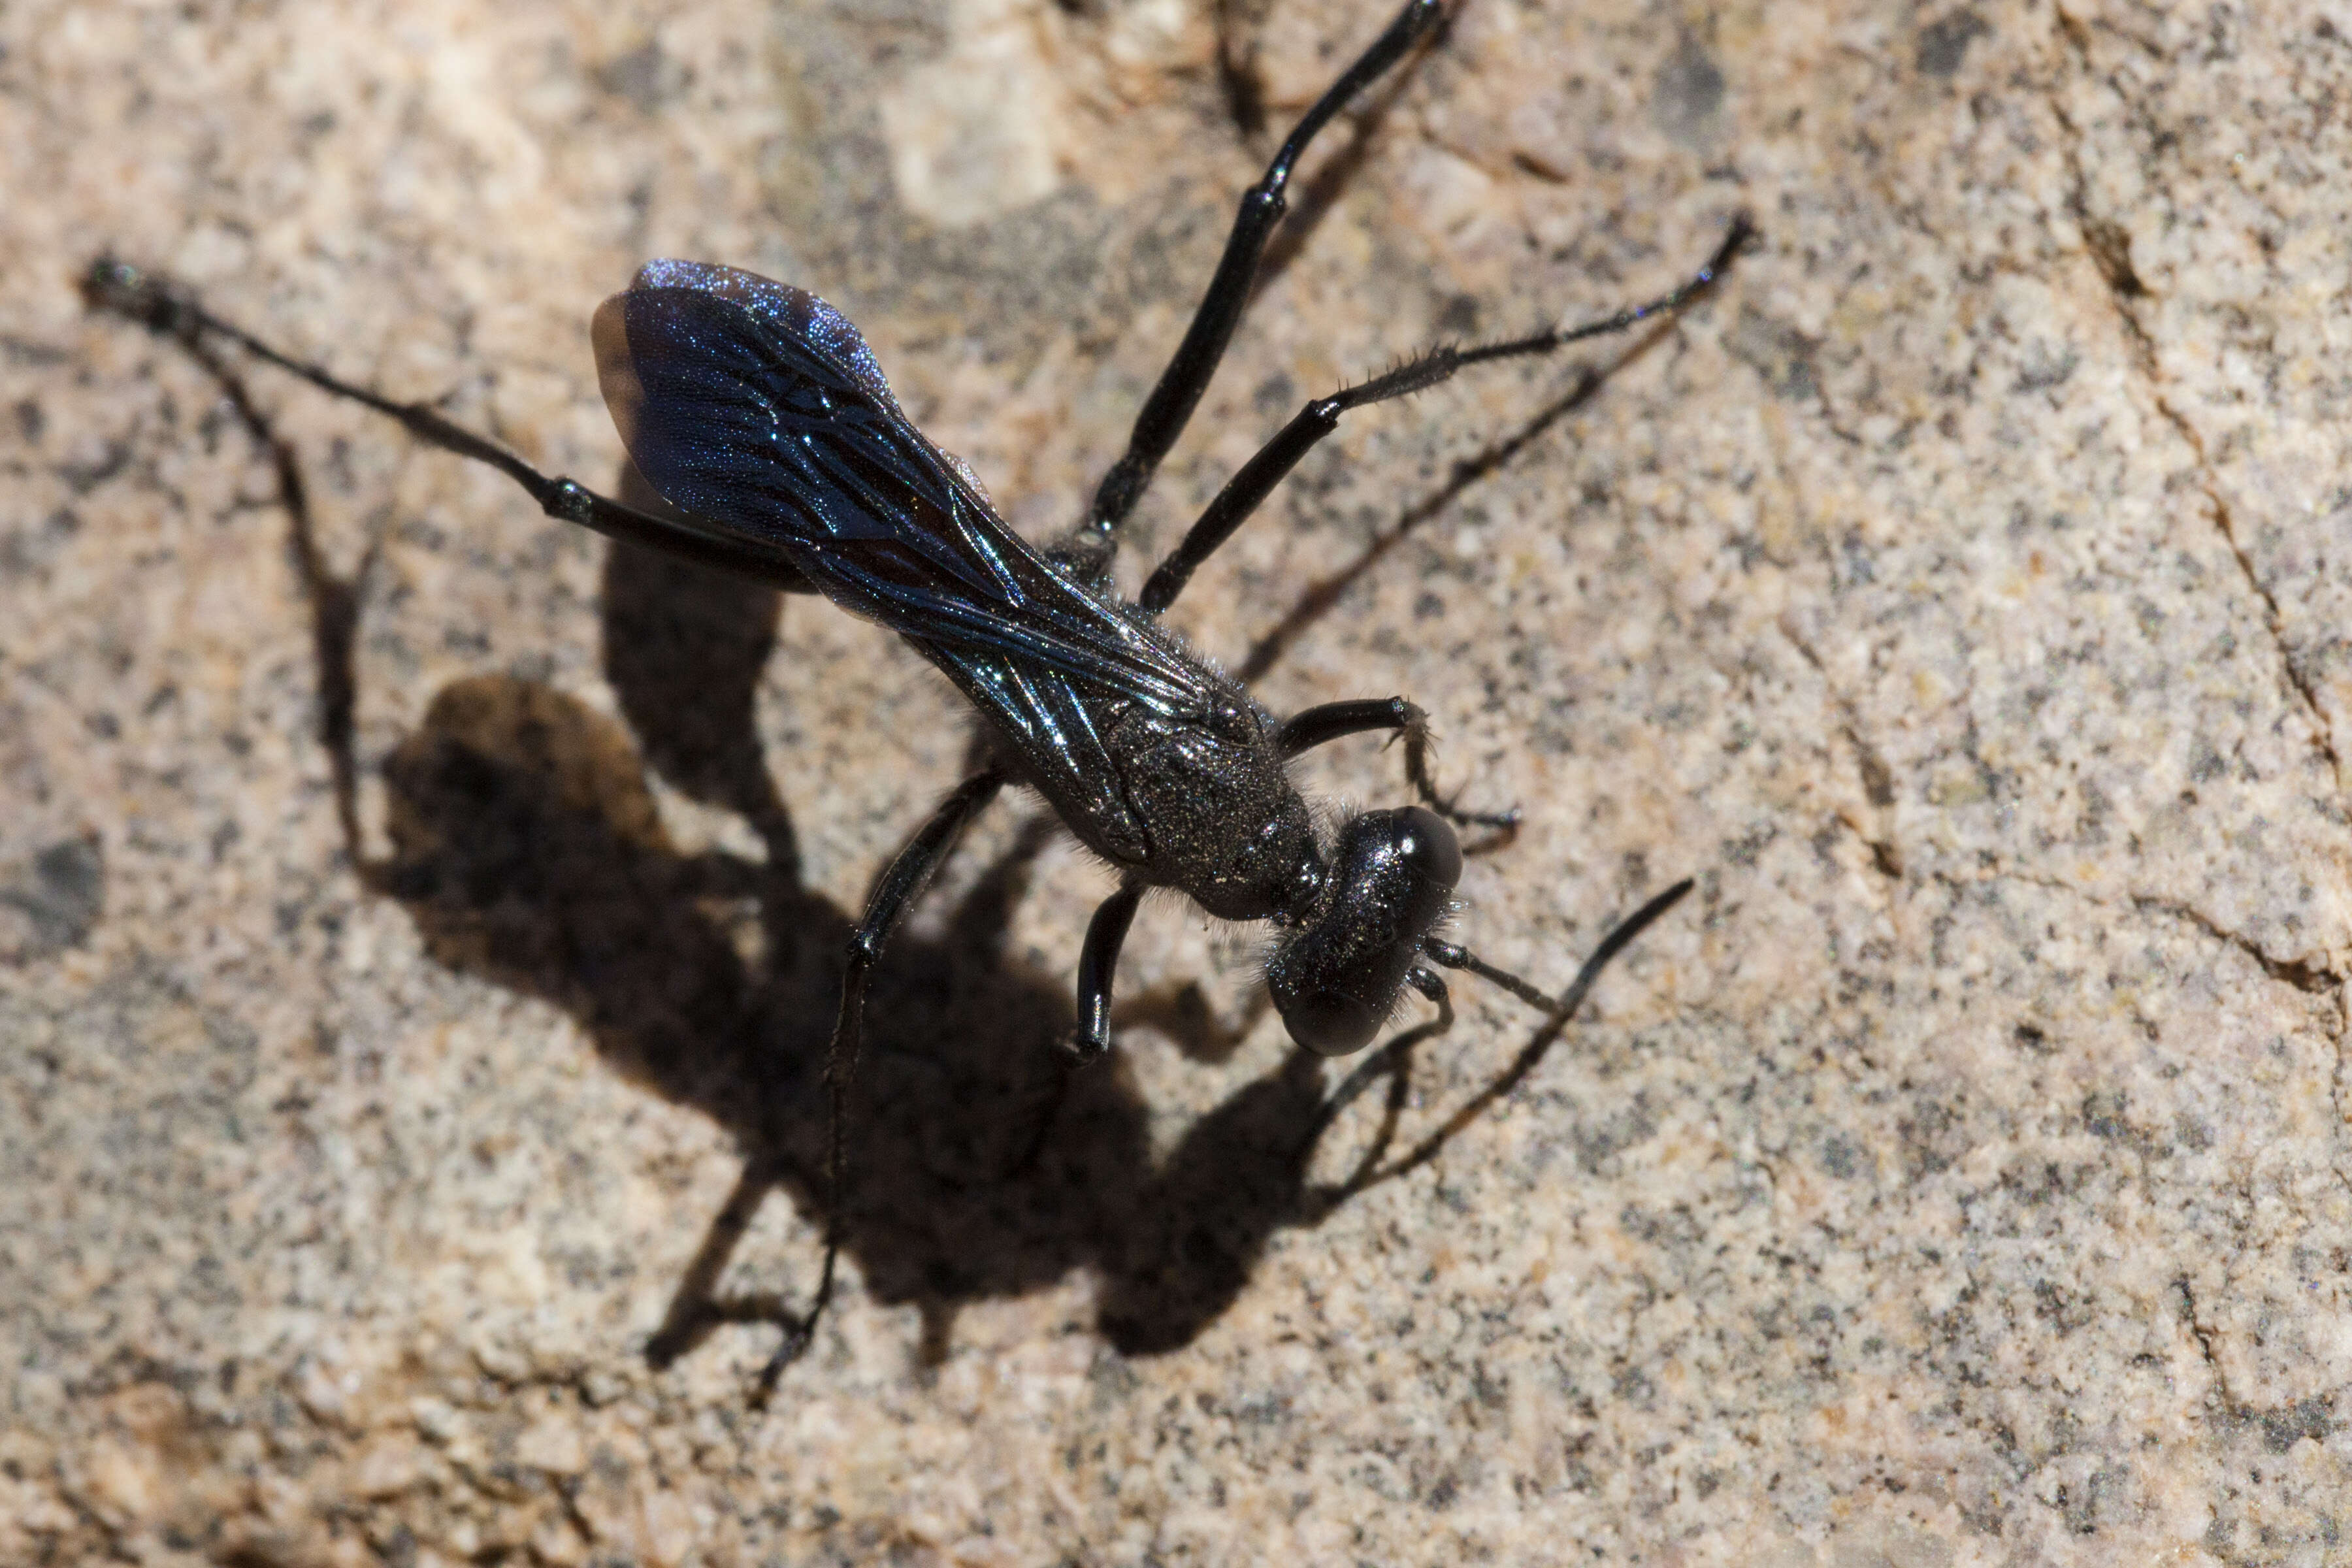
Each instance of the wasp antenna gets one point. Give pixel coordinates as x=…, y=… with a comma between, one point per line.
x=1454, y=956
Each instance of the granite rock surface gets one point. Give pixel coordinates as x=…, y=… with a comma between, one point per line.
x=417, y=920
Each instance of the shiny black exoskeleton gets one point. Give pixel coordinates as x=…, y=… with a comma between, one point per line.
x=1335, y=982
x=758, y=411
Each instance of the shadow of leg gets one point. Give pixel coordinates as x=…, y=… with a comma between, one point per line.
x=1201, y=1226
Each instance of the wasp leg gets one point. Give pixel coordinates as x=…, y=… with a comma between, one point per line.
x=170, y=311
x=1097, y=961
x=1330, y=721
x=1256, y=479
x=1187, y=376
x=1392, y=1061
x=894, y=893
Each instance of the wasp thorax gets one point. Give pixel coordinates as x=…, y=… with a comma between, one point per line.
x=1335, y=982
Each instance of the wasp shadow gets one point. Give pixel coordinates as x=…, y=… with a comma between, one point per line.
x=527, y=848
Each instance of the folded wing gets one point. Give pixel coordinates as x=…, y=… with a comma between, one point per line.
x=759, y=407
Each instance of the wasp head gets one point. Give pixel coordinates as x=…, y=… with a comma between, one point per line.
x=1336, y=979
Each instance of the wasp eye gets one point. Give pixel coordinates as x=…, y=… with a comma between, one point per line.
x=1426, y=841
x=1330, y=1023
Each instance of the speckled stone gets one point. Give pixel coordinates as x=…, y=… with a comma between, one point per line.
x=1959, y=1177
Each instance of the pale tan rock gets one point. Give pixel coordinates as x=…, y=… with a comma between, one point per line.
x=1958, y=1178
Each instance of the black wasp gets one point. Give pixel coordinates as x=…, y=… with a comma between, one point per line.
x=757, y=409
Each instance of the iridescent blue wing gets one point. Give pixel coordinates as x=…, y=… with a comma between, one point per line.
x=758, y=406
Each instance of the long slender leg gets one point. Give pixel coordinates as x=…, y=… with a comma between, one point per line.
x=164, y=309
x=1097, y=962
x=893, y=894
x=1257, y=478
x=1312, y=727
x=1187, y=376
